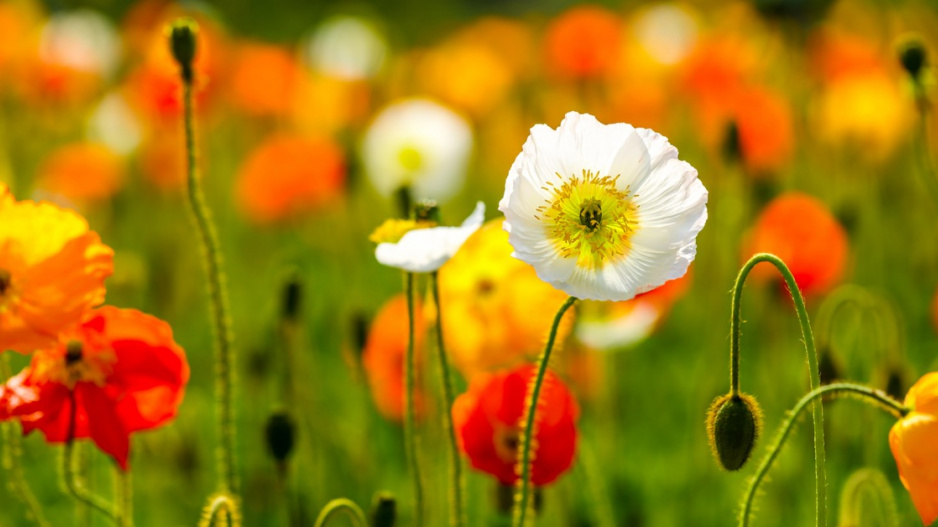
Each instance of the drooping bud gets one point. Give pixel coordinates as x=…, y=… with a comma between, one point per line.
x=281, y=436
x=182, y=42
x=383, y=510
x=733, y=424
x=828, y=370
x=895, y=383
x=292, y=297
x=913, y=56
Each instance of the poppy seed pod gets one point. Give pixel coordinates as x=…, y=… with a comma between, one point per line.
x=913, y=57
x=182, y=40
x=733, y=424
x=384, y=510
x=281, y=435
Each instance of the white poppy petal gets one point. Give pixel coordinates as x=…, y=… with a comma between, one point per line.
x=426, y=250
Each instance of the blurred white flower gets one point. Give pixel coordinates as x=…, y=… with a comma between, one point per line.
x=420, y=144
x=114, y=123
x=82, y=39
x=620, y=331
x=426, y=250
x=602, y=212
x=346, y=47
x=667, y=32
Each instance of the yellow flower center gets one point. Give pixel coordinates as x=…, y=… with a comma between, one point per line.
x=76, y=366
x=391, y=231
x=588, y=218
x=410, y=158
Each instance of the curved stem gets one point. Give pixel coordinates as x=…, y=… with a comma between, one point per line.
x=521, y=495
x=220, y=506
x=73, y=483
x=411, y=438
x=820, y=470
x=869, y=395
x=221, y=320
x=342, y=505
x=455, y=468
x=12, y=454
x=867, y=489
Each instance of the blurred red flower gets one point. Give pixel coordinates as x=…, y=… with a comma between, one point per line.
x=488, y=421
x=801, y=231
x=288, y=174
x=384, y=353
x=584, y=42
x=82, y=172
x=117, y=372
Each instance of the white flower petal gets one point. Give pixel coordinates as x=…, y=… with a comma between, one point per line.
x=426, y=250
x=621, y=331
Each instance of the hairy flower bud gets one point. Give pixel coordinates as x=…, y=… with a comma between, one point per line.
x=292, y=297
x=281, y=436
x=733, y=424
x=384, y=510
x=182, y=42
x=913, y=57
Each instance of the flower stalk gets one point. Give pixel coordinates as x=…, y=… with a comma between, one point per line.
x=411, y=437
x=342, y=505
x=73, y=483
x=868, y=395
x=183, y=41
x=524, y=482
x=820, y=471
x=455, y=469
x=221, y=510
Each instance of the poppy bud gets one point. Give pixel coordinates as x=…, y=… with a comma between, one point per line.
x=895, y=383
x=292, y=297
x=828, y=370
x=359, y=331
x=403, y=200
x=732, y=150
x=733, y=424
x=384, y=510
x=913, y=57
x=182, y=40
x=281, y=435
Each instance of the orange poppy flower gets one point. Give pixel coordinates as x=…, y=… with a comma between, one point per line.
x=82, y=172
x=766, y=130
x=497, y=312
x=264, y=80
x=117, y=372
x=488, y=421
x=384, y=353
x=806, y=236
x=914, y=444
x=584, y=42
x=288, y=174
x=52, y=269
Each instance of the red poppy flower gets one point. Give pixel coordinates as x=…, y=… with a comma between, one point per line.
x=806, y=236
x=488, y=424
x=117, y=372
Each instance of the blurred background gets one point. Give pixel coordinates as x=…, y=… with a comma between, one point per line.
x=813, y=137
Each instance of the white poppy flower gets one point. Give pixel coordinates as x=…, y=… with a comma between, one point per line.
x=419, y=144
x=426, y=250
x=346, y=47
x=602, y=212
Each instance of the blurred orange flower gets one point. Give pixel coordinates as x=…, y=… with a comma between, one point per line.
x=914, y=444
x=289, y=174
x=800, y=230
x=82, y=172
x=470, y=77
x=384, y=354
x=52, y=269
x=497, y=312
x=488, y=421
x=584, y=42
x=162, y=160
x=766, y=131
x=118, y=372
x=264, y=79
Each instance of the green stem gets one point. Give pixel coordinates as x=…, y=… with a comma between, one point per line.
x=73, y=483
x=411, y=437
x=342, y=505
x=11, y=462
x=221, y=320
x=928, y=171
x=125, y=498
x=220, y=506
x=820, y=470
x=867, y=499
x=455, y=465
x=521, y=495
x=869, y=395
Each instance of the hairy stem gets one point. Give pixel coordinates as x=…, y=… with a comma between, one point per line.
x=455, y=468
x=221, y=510
x=411, y=437
x=874, y=397
x=820, y=471
x=523, y=490
x=342, y=505
x=73, y=483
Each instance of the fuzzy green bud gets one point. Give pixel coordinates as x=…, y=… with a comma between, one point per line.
x=292, y=297
x=384, y=510
x=913, y=57
x=281, y=436
x=733, y=424
x=182, y=42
